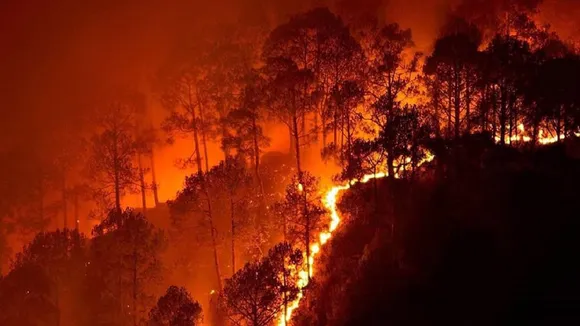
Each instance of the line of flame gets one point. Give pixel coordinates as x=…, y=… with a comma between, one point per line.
x=330, y=201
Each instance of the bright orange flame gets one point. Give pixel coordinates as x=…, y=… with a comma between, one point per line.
x=330, y=201
x=544, y=138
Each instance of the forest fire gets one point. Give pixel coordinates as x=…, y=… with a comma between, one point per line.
x=330, y=203
x=171, y=164
x=331, y=199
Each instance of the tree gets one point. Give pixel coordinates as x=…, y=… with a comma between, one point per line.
x=452, y=67
x=62, y=256
x=290, y=93
x=302, y=212
x=230, y=178
x=245, y=134
x=509, y=58
x=345, y=98
x=181, y=97
x=114, y=148
x=287, y=262
x=551, y=98
x=257, y=293
x=317, y=41
x=225, y=65
x=125, y=268
x=191, y=209
x=392, y=75
x=176, y=308
x=27, y=298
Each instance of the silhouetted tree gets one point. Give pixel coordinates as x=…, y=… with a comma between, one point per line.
x=391, y=75
x=287, y=262
x=27, y=298
x=290, y=100
x=231, y=180
x=111, y=167
x=302, y=212
x=453, y=69
x=176, y=308
x=192, y=209
x=508, y=57
x=245, y=134
x=61, y=254
x=125, y=268
x=257, y=293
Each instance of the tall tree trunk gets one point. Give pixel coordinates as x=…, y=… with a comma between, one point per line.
x=503, y=114
x=467, y=103
x=203, y=135
x=512, y=117
x=348, y=137
x=154, y=179
x=484, y=109
x=390, y=160
x=305, y=203
x=233, y=222
x=335, y=125
x=535, y=129
x=296, y=136
x=142, y=184
x=558, y=123
x=436, y=104
x=324, y=133
x=291, y=140
x=76, y=210
x=457, y=104
x=342, y=136
x=195, y=133
x=213, y=240
x=449, y=108
x=117, y=173
x=64, y=202
x=204, y=185
x=494, y=113
x=257, y=154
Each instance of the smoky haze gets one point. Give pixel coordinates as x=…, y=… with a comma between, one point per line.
x=61, y=61
x=58, y=57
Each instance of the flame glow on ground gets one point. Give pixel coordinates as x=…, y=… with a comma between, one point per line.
x=330, y=202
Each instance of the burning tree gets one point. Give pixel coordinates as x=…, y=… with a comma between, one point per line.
x=392, y=75
x=230, y=179
x=302, y=212
x=288, y=263
x=257, y=293
x=290, y=93
x=61, y=255
x=176, y=308
x=27, y=297
x=245, y=134
x=124, y=268
x=114, y=148
x=318, y=42
x=192, y=209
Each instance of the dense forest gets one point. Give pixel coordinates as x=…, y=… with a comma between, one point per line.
x=413, y=186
